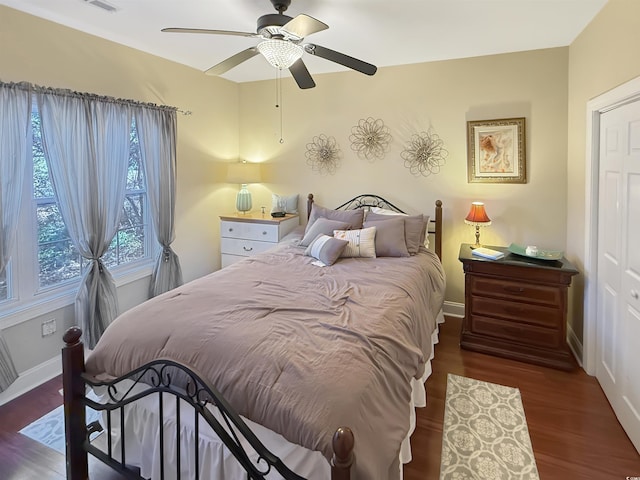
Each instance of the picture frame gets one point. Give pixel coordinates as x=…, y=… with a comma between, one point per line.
x=496, y=151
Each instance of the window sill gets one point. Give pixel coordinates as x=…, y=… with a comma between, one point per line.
x=15, y=313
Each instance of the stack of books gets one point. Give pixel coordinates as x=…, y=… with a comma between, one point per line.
x=487, y=253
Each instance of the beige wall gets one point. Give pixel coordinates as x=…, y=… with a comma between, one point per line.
x=605, y=55
x=410, y=99
x=48, y=54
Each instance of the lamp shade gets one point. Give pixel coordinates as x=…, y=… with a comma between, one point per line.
x=477, y=215
x=280, y=53
x=244, y=173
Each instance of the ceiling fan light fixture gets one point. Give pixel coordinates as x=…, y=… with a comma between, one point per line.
x=280, y=53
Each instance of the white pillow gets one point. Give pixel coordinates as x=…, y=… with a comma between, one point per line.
x=284, y=203
x=362, y=243
x=384, y=211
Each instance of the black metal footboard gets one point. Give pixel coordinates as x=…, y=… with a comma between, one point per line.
x=168, y=381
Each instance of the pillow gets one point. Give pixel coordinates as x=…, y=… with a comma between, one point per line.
x=390, y=240
x=385, y=211
x=322, y=225
x=326, y=249
x=362, y=242
x=415, y=227
x=353, y=217
x=284, y=203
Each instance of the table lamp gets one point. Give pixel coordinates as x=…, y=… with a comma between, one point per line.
x=478, y=218
x=244, y=173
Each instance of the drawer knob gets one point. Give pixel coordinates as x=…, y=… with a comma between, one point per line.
x=264, y=233
x=634, y=294
x=231, y=229
x=510, y=289
x=247, y=249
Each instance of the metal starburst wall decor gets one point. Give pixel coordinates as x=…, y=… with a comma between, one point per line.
x=424, y=154
x=370, y=139
x=323, y=154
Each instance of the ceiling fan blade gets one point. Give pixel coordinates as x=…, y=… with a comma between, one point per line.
x=232, y=61
x=303, y=25
x=340, y=58
x=301, y=75
x=211, y=32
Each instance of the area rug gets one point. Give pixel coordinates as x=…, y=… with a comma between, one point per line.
x=485, y=434
x=49, y=429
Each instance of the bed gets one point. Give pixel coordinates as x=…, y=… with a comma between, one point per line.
x=273, y=365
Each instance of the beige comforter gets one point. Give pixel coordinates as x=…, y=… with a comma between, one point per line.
x=298, y=348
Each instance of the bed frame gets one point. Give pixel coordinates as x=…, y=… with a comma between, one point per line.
x=160, y=376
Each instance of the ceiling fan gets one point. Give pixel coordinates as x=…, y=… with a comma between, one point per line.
x=282, y=45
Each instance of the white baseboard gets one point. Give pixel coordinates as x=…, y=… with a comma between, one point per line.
x=454, y=309
x=31, y=378
x=574, y=344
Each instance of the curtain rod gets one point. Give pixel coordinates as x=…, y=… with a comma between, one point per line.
x=105, y=98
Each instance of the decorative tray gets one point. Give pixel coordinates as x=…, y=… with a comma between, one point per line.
x=541, y=255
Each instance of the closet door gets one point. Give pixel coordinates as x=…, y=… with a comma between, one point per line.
x=618, y=288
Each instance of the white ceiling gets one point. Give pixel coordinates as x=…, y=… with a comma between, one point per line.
x=382, y=32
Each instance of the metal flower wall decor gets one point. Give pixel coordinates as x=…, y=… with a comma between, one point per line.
x=370, y=139
x=323, y=154
x=424, y=154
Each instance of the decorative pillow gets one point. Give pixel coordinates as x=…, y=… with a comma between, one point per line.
x=353, y=217
x=385, y=211
x=415, y=227
x=362, y=242
x=326, y=249
x=322, y=225
x=390, y=240
x=284, y=203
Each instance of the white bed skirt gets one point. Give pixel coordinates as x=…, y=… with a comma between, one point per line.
x=142, y=438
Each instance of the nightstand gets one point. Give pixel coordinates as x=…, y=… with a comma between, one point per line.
x=516, y=307
x=245, y=235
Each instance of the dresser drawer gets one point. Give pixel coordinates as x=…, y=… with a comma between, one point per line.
x=249, y=231
x=517, y=290
x=245, y=248
x=517, y=332
x=517, y=311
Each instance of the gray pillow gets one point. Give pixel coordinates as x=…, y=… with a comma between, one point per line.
x=353, y=217
x=326, y=249
x=322, y=225
x=390, y=241
x=415, y=227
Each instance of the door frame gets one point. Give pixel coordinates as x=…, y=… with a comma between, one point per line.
x=626, y=93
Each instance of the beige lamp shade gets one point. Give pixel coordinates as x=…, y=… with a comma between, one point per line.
x=244, y=173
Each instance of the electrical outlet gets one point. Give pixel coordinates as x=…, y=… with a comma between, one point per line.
x=48, y=327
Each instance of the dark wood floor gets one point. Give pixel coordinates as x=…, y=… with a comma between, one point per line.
x=573, y=430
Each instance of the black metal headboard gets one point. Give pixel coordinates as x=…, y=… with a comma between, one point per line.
x=369, y=200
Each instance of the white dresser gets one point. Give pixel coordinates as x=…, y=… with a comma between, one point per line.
x=245, y=235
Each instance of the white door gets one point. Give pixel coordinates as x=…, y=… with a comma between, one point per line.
x=618, y=289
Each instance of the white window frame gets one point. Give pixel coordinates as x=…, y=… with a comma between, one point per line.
x=27, y=299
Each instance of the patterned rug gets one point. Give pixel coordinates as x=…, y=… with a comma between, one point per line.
x=485, y=433
x=49, y=429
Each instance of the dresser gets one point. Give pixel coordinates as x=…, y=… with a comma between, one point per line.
x=516, y=307
x=245, y=235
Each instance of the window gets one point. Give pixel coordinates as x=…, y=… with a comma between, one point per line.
x=52, y=264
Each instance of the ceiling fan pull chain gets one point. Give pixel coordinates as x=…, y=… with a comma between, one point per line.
x=279, y=99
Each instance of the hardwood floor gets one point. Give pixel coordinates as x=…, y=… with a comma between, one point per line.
x=573, y=430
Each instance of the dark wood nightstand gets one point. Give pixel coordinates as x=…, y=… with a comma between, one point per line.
x=516, y=307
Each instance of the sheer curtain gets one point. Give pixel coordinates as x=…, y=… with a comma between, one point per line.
x=157, y=137
x=86, y=145
x=15, y=109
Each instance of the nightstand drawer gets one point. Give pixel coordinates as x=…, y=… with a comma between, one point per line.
x=249, y=231
x=516, y=332
x=245, y=248
x=516, y=311
x=519, y=291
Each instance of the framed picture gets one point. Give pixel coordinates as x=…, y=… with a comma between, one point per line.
x=496, y=151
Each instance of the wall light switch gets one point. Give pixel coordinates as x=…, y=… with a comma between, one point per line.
x=48, y=327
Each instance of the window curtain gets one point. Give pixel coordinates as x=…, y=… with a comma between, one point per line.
x=15, y=109
x=86, y=145
x=157, y=137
